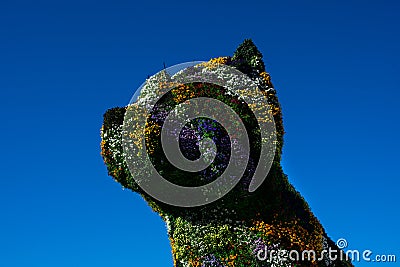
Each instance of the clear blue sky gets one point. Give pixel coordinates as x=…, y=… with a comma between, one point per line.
x=63, y=63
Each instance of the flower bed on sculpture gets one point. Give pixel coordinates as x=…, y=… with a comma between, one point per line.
x=236, y=229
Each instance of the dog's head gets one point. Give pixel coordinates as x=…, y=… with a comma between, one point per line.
x=201, y=138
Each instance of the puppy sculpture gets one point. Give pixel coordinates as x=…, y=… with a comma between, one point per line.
x=269, y=226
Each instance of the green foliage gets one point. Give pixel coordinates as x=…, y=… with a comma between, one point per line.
x=113, y=117
x=247, y=58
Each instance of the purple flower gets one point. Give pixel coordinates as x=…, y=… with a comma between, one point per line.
x=211, y=261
